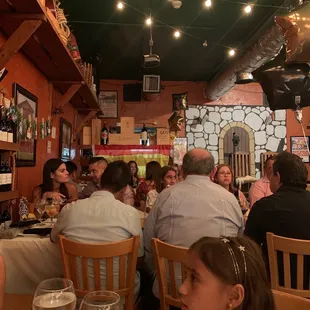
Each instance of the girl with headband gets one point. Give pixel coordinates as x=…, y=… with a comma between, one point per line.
x=225, y=274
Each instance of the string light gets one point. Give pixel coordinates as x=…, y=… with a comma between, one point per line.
x=148, y=21
x=120, y=5
x=231, y=52
x=208, y=3
x=177, y=34
x=248, y=9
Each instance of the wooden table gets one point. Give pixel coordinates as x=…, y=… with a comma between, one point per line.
x=17, y=302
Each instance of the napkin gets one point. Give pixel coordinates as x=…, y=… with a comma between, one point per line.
x=10, y=233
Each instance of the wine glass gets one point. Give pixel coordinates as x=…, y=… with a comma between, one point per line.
x=52, y=210
x=40, y=207
x=101, y=300
x=57, y=294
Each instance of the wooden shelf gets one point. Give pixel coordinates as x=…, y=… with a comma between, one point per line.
x=8, y=146
x=8, y=195
x=47, y=52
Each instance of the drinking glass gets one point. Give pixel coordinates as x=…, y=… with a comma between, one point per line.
x=40, y=207
x=52, y=210
x=57, y=294
x=101, y=300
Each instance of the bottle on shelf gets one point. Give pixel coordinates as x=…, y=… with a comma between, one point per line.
x=9, y=127
x=6, y=219
x=144, y=135
x=4, y=132
x=1, y=112
x=8, y=177
x=2, y=178
x=104, y=135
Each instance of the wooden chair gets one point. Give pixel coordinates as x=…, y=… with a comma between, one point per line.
x=2, y=281
x=287, y=246
x=263, y=157
x=126, y=250
x=286, y=301
x=166, y=255
x=240, y=163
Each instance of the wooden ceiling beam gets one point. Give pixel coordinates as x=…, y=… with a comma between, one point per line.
x=66, y=97
x=15, y=42
x=89, y=116
x=22, y=16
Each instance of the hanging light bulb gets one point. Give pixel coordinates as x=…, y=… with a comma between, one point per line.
x=231, y=52
x=208, y=3
x=120, y=5
x=148, y=21
x=247, y=9
x=177, y=34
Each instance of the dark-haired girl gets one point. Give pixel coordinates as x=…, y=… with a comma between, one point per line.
x=225, y=274
x=55, y=183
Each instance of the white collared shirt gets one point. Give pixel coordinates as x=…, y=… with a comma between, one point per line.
x=99, y=219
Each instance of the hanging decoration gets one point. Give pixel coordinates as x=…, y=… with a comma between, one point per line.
x=175, y=122
x=180, y=101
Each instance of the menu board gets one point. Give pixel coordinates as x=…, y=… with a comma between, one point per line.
x=108, y=103
x=300, y=147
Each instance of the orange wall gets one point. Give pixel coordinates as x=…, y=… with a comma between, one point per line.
x=24, y=73
x=161, y=110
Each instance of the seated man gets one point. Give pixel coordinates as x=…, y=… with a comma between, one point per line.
x=189, y=210
x=261, y=188
x=72, y=169
x=97, y=166
x=102, y=218
x=287, y=212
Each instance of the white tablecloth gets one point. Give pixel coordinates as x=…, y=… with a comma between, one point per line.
x=29, y=260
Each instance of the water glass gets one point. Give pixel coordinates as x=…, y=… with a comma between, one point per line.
x=57, y=294
x=101, y=300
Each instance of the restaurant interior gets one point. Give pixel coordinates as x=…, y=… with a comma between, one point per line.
x=143, y=82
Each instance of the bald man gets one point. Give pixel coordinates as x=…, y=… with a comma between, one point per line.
x=191, y=209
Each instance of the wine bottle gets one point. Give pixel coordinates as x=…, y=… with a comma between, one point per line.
x=1, y=112
x=2, y=178
x=144, y=135
x=9, y=128
x=4, y=126
x=104, y=135
x=8, y=177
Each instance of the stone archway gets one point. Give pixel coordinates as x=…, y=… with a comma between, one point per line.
x=251, y=143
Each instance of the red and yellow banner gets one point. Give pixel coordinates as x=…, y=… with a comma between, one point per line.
x=140, y=154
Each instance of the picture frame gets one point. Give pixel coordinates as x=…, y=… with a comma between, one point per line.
x=108, y=103
x=299, y=147
x=179, y=150
x=28, y=104
x=65, y=138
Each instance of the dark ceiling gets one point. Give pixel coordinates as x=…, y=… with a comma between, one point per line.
x=120, y=38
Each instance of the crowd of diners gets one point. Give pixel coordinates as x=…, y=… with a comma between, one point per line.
x=196, y=206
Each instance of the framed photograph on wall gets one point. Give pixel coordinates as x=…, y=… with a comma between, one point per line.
x=299, y=147
x=28, y=105
x=108, y=103
x=65, y=134
x=179, y=150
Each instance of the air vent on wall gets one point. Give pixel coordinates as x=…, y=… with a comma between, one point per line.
x=151, y=83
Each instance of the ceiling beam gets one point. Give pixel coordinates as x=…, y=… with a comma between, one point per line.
x=22, y=16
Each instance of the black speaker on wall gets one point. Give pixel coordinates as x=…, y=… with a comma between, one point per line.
x=132, y=92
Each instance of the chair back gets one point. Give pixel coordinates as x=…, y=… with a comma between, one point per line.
x=240, y=163
x=263, y=157
x=2, y=281
x=126, y=251
x=166, y=258
x=286, y=301
x=287, y=246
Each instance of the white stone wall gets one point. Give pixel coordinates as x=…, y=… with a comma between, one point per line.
x=268, y=135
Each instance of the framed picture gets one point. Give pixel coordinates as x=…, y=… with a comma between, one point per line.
x=299, y=146
x=180, y=101
x=28, y=105
x=65, y=134
x=179, y=150
x=108, y=104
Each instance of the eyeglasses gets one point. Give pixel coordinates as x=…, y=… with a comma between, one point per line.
x=224, y=173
